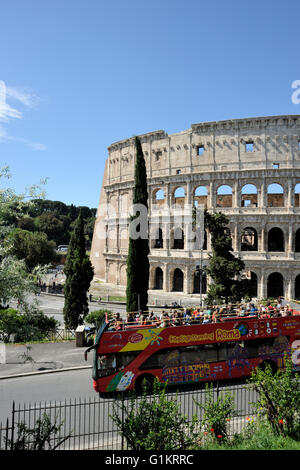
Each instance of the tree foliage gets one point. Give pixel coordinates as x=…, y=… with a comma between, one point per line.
x=79, y=274
x=138, y=250
x=223, y=267
x=32, y=247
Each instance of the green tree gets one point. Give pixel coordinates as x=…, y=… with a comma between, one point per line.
x=138, y=250
x=52, y=226
x=79, y=274
x=223, y=267
x=33, y=247
x=15, y=280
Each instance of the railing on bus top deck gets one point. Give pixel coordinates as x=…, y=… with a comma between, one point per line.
x=197, y=316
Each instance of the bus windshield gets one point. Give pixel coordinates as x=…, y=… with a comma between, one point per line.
x=108, y=364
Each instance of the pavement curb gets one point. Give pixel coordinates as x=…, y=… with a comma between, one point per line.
x=27, y=374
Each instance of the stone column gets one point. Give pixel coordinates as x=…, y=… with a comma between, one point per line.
x=263, y=195
x=289, y=204
x=263, y=240
x=185, y=280
x=212, y=197
x=262, y=286
x=236, y=195
x=236, y=244
x=188, y=198
x=165, y=278
x=289, y=288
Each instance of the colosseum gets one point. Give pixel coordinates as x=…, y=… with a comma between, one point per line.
x=249, y=169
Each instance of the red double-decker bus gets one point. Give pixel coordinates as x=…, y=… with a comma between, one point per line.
x=125, y=359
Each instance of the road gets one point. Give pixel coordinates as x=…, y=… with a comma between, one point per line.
x=53, y=305
x=44, y=388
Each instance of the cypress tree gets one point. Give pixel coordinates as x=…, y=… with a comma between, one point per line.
x=79, y=274
x=138, y=250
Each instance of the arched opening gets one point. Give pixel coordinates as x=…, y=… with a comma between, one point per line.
x=158, y=279
x=297, y=241
x=224, y=196
x=275, y=239
x=200, y=196
x=275, y=285
x=178, y=239
x=275, y=195
x=253, y=284
x=179, y=197
x=158, y=197
x=197, y=242
x=196, y=289
x=249, y=196
x=159, y=242
x=249, y=239
x=297, y=287
x=297, y=195
x=177, y=280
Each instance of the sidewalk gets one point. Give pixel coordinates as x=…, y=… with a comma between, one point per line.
x=42, y=358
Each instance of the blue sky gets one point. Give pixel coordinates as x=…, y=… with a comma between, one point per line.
x=81, y=74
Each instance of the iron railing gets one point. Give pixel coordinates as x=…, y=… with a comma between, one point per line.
x=87, y=424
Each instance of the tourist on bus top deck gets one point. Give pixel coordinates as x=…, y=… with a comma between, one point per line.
x=190, y=316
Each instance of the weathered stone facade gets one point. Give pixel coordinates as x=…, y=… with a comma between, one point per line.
x=258, y=159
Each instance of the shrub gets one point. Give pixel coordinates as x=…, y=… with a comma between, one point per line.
x=10, y=322
x=155, y=424
x=217, y=414
x=32, y=325
x=96, y=317
x=40, y=437
x=279, y=398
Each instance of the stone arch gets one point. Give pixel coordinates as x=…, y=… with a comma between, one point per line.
x=124, y=204
x=158, y=196
x=253, y=284
x=177, y=280
x=275, y=195
x=123, y=275
x=158, y=239
x=249, y=239
x=275, y=239
x=113, y=207
x=179, y=196
x=158, y=278
x=200, y=196
x=112, y=239
x=196, y=282
x=297, y=287
x=111, y=273
x=275, y=285
x=123, y=238
x=249, y=195
x=297, y=241
x=197, y=244
x=177, y=238
x=297, y=195
x=224, y=196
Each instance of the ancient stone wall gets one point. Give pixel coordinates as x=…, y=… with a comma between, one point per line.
x=247, y=168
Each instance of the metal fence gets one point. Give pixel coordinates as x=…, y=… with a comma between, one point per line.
x=87, y=424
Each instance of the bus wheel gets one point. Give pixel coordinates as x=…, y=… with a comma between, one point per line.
x=144, y=382
x=265, y=364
